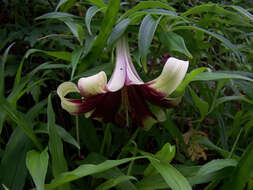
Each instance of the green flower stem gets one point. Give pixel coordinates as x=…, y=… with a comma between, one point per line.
x=106, y=136
x=129, y=142
x=235, y=143
x=77, y=135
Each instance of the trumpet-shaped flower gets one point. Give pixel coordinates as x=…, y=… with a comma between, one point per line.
x=125, y=95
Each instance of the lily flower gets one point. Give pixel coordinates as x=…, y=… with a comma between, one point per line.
x=125, y=95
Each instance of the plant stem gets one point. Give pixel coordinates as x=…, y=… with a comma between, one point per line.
x=105, y=138
x=77, y=135
x=235, y=143
x=129, y=142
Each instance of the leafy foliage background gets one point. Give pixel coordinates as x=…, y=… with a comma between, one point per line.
x=205, y=143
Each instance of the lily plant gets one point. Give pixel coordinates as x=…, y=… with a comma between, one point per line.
x=125, y=95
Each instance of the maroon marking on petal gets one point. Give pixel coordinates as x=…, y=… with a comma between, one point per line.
x=139, y=110
x=86, y=105
x=108, y=106
x=153, y=96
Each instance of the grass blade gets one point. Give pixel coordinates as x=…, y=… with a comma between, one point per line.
x=59, y=163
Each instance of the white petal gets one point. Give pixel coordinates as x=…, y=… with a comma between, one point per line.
x=118, y=77
x=172, y=75
x=92, y=85
x=132, y=76
x=67, y=104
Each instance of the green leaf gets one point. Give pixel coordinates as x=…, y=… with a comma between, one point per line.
x=55, y=15
x=232, y=98
x=145, y=36
x=59, y=163
x=98, y=3
x=76, y=29
x=206, y=142
x=87, y=169
x=37, y=164
x=174, y=179
x=243, y=11
x=2, y=65
x=95, y=158
x=76, y=54
x=90, y=14
x=146, y=5
x=61, y=2
x=174, y=42
x=206, y=76
x=20, y=120
x=105, y=31
x=209, y=7
x=189, y=77
x=216, y=165
x=152, y=182
x=200, y=104
x=242, y=172
x=173, y=130
x=12, y=169
x=35, y=110
x=158, y=12
x=67, y=137
x=57, y=54
x=65, y=5
x=224, y=41
x=166, y=154
x=114, y=182
x=118, y=31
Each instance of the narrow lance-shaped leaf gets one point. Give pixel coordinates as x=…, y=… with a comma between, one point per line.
x=98, y=3
x=61, y=2
x=18, y=118
x=12, y=168
x=225, y=41
x=166, y=154
x=56, y=15
x=243, y=11
x=242, y=172
x=75, y=28
x=145, y=36
x=174, y=42
x=59, y=164
x=114, y=182
x=37, y=164
x=105, y=31
x=189, y=77
x=147, y=5
x=90, y=14
x=174, y=179
x=76, y=54
x=206, y=76
x=87, y=169
x=2, y=66
x=118, y=31
x=200, y=104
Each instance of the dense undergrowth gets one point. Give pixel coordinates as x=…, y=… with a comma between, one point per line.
x=205, y=142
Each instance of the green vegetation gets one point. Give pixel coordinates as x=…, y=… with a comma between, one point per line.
x=203, y=142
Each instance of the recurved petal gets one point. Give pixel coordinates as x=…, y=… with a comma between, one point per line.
x=172, y=75
x=72, y=106
x=93, y=85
